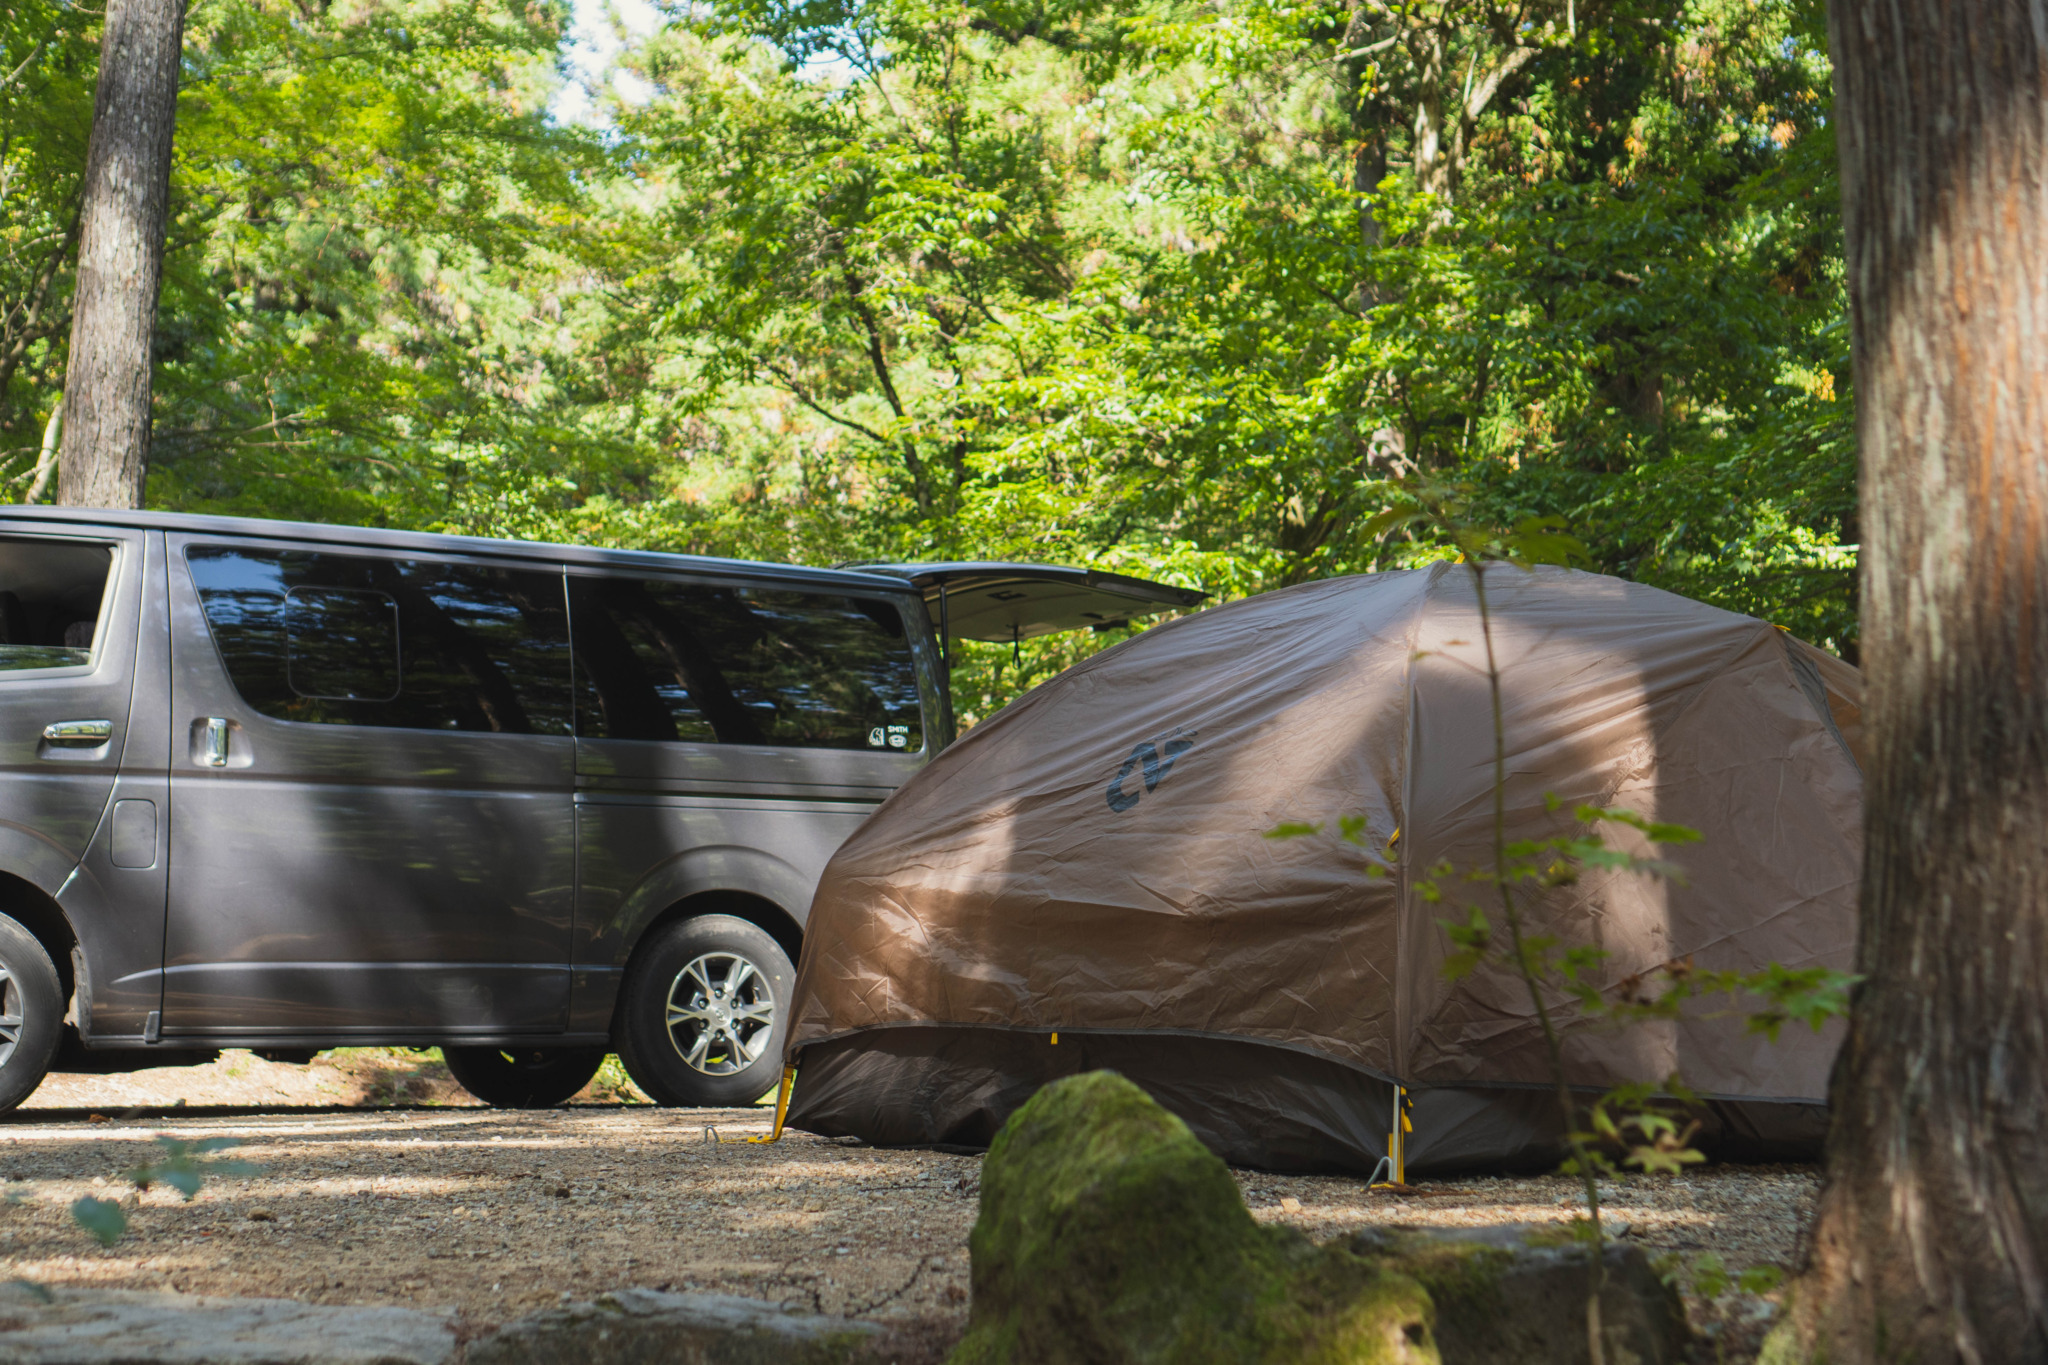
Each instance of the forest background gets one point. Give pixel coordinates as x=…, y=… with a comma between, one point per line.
x=1166, y=287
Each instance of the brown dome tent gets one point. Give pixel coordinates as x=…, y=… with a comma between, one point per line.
x=1084, y=880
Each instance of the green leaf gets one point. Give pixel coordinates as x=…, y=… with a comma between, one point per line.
x=101, y=1217
x=186, y=1180
x=1760, y=1279
x=1709, y=1276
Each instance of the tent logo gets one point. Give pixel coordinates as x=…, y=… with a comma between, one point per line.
x=1157, y=763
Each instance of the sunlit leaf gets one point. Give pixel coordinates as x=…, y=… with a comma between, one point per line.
x=102, y=1218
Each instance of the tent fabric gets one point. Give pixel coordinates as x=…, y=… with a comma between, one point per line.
x=1094, y=861
x=1252, y=1104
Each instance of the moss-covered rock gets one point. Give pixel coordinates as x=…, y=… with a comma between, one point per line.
x=1108, y=1233
x=1516, y=1295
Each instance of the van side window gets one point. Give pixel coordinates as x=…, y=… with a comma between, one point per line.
x=341, y=644
x=50, y=595
x=355, y=640
x=711, y=664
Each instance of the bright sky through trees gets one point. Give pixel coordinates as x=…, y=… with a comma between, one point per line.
x=599, y=31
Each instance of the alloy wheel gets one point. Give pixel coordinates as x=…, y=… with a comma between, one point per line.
x=10, y=1014
x=721, y=1013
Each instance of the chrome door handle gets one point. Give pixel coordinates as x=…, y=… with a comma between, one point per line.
x=78, y=734
x=213, y=742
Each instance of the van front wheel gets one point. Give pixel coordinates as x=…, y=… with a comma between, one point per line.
x=522, y=1077
x=31, y=1013
x=704, y=1012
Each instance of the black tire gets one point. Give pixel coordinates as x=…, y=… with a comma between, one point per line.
x=523, y=1077
x=715, y=1056
x=31, y=1013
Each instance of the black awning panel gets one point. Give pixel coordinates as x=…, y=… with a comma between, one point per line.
x=1004, y=602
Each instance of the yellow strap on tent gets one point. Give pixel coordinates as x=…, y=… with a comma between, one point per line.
x=1055, y=1038
x=781, y=1109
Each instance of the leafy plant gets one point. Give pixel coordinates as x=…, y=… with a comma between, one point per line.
x=184, y=1166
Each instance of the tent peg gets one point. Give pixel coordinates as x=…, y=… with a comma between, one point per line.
x=1395, y=1162
x=781, y=1113
x=781, y=1106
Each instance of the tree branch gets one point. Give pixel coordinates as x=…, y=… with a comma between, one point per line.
x=798, y=392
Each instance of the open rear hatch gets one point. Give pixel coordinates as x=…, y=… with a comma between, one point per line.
x=1005, y=603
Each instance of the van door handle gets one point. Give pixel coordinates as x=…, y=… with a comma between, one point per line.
x=213, y=742
x=78, y=734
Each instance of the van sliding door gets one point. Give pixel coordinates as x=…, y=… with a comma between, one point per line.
x=371, y=823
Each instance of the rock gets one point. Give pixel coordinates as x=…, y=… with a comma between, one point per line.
x=631, y=1327
x=1109, y=1234
x=646, y=1326
x=117, y=1327
x=1516, y=1295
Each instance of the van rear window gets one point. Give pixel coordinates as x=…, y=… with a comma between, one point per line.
x=415, y=643
x=712, y=664
x=50, y=596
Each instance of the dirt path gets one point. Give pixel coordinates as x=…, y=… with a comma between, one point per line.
x=498, y=1212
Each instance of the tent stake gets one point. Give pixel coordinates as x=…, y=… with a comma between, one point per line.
x=781, y=1106
x=1395, y=1162
x=781, y=1113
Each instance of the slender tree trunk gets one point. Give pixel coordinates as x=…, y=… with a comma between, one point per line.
x=1932, y=1238
x=46, y=459
x=120, y=256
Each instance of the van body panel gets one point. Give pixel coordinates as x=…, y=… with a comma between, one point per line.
x=342, y=879
x=639, y=857
x=121, y=953
x=52, y=797
x=644, y=767
x=115, y=904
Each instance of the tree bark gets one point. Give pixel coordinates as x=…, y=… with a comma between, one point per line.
x=105, y=453
x=1931, y=1243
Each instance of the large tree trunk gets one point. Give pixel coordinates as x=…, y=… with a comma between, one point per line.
x=1932, y=1237
x=120, y=256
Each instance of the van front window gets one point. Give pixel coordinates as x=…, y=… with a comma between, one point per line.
x=50, y=596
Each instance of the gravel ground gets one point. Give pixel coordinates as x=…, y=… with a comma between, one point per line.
x=495, y=1213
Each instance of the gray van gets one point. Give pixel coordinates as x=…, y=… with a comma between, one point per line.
x=290, y=787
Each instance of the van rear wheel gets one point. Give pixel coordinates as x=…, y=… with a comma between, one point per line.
x=704, y=1012
x=31, y=1013
x=523, y=1077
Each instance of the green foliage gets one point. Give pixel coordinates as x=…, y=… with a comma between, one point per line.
x=102, y=1218
x=1709, y=1278
x=184, y=1166
x=1197, y=293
